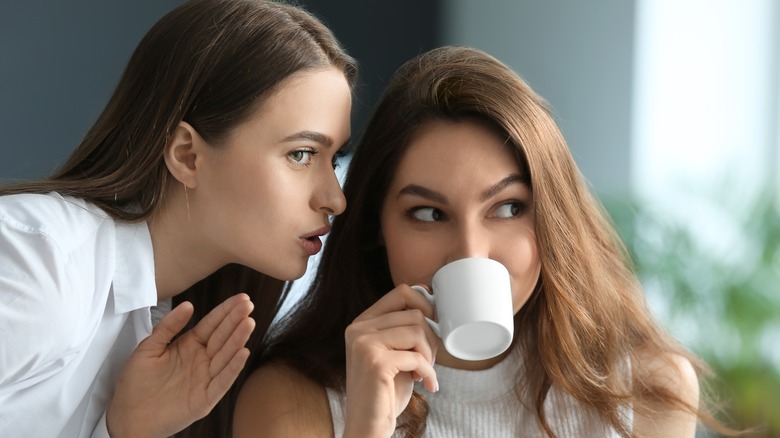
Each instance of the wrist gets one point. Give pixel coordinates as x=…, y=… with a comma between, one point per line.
x=119, y=427
x=368, y=430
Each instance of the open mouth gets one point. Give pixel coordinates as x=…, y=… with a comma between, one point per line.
x=312, y=244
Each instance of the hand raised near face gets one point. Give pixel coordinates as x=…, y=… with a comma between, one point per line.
x=389, y=346
x=165, y=386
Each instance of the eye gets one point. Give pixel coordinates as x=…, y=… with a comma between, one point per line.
x=338, y=158
x=509, y=210
x=302, y=157
x=427, y=214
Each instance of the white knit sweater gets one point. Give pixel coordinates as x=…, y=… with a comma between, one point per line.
x=484, y=404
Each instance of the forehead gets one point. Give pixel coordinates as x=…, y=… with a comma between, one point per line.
x=450, y=149
x=305, y=87
x=316, y=100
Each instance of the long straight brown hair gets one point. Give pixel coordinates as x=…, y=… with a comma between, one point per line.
x=210, y=63
x=587, y=316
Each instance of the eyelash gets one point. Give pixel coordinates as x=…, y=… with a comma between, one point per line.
x=521, y=206
x=310, y=152
x=411, y=213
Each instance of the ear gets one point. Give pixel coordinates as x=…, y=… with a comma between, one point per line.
x=181, y=154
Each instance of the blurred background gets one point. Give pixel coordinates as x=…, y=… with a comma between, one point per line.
x=670, y=107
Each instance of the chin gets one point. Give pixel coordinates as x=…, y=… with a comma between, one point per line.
x=281, y=268
x=286, y=273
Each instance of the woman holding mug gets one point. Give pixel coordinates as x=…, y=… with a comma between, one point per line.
x=463, y=160
x=210, y=172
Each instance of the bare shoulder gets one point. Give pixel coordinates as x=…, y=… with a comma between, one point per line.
x=277, y=401
x=675, y=373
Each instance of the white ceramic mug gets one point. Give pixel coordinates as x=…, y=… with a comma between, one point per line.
x=473, y=300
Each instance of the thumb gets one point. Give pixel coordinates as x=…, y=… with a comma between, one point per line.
x=166, y=329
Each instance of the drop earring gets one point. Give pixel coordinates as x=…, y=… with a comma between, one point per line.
x=187, y=201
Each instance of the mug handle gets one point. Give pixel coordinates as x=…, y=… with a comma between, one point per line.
x=434, y=326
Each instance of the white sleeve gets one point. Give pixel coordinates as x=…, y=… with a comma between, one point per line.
x=36, y=316
x=101, y=430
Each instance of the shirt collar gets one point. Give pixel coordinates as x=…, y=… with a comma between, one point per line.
x=134, y=283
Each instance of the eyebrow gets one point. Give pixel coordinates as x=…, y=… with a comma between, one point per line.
x=314, y=136
x=501, y=185
x=422, y=192
x=432, y=195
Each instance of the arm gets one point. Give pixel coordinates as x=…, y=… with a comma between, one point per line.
x=276, y=401
x=677, y=375
x=388, y=346
x=165, y=386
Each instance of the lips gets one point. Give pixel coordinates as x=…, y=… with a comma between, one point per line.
x=311, y=242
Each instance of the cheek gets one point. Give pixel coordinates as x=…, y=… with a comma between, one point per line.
x=252, y=197
x=521, y=291
x=409, y=257
x=399, y=257
x=525, y=270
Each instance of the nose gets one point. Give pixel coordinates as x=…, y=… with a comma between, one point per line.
x=471, y=240
x=329, y=198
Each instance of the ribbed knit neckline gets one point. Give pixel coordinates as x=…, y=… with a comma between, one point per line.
x=467, y=386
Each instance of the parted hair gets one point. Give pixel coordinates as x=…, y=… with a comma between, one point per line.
x=587, y=317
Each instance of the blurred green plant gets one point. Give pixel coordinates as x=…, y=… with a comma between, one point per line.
x=715, y=284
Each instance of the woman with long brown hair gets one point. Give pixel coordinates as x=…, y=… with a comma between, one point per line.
x=208, y=178
x=462, y=159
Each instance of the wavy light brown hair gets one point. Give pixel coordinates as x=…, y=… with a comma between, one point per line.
x=587, y=314
x=211, y=63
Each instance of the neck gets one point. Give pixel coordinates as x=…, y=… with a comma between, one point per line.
x=181, y=258
x=444, y=358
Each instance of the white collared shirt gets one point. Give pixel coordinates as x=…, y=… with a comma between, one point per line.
x=76, y=288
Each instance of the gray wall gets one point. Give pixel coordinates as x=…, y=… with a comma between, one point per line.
x=577, y=55
x=59, y=63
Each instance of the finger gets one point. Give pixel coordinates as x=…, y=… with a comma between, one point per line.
x=410, y=338
x=212, y=320
x=168, y=327
x=220, y=384
x=394, y=319
x=235, y=343
x=227, y=327
x=407, y=361
x=411, y=317
x=401, y=298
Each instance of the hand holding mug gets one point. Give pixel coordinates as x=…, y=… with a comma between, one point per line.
x=388, y=346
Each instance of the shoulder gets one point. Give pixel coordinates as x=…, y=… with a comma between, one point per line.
x=676, y=375
x=45, y=280
x=49, y=243
x=55, y=244
x=47, y=204
x=51, y=216
x=279, y=401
